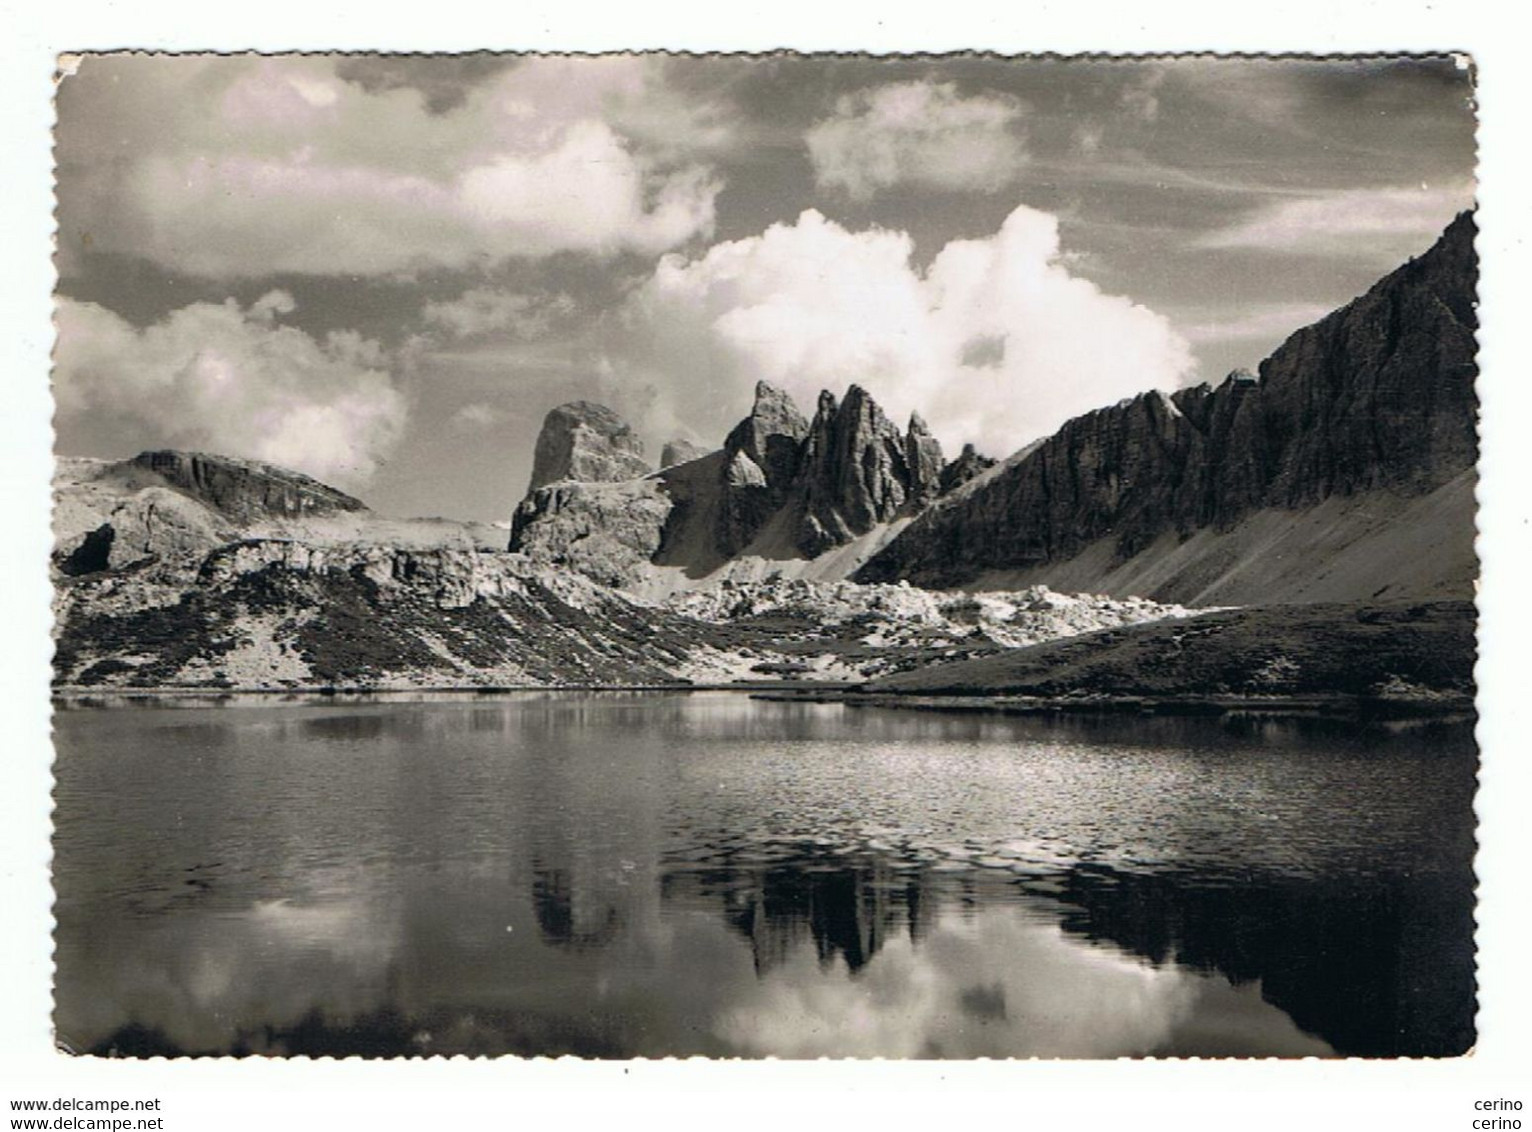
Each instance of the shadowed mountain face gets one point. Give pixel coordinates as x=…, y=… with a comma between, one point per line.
x=1373, y=403
x=968, y=464
x=837, y=477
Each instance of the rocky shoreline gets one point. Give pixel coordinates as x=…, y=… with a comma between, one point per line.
x=1446, y=706
x=83, y=694
x=1378, y=708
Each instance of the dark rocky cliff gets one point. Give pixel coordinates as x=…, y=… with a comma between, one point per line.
x=1376, y=397
x=856, y=470
x=968, y=464
x=760, y=464
x=824, y=481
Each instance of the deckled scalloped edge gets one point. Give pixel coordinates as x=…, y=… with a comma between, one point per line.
x=68, y=63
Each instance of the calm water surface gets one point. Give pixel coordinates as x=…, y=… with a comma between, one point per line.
x=647, y=874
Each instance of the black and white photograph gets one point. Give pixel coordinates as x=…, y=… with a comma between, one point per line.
x=776, y=555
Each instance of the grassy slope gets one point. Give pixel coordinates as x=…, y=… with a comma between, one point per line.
x=1348, y=649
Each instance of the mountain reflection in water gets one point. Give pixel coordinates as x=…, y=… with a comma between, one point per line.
x=645, y=875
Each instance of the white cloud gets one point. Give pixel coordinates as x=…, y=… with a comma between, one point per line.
x=215, y=377
x=917, y=133
x=486, y=310
x=996, y=343
x=1385, y=225
x=250, y=167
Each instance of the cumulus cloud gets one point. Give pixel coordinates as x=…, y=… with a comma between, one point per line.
x=917, y=133
x=1384, y=225
x=996, y=342
x=221, y=378
x=260, y=166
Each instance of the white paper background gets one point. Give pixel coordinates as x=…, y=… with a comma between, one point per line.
x=509, y=1094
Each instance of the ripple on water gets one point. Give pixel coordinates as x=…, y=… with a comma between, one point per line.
x=834, y=868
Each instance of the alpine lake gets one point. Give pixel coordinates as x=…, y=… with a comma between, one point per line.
x=653, y=874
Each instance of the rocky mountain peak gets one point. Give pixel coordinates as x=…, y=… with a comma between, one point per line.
x=770, y=435
x=586, y=442
x=858, y=401
x=968, y=464
x=760, y=463
x=775, y=411
x=923, y=454
x=680, y=451
x=859, y=470
x=781, y=487
x=1376, y=399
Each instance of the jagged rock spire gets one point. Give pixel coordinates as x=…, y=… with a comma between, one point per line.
x=859, y=471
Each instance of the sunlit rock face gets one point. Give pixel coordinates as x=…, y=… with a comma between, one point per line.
x=1377, y=397
x=606, y=531
x=586, y=442
x=165, y=510
x=567, y=519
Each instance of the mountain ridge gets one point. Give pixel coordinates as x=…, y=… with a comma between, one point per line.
x=178, y=595
x=1376, y=398
x=781, y=487
x=1343, y=474
x=1354, y=425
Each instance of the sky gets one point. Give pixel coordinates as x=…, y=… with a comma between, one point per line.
x=385, y=270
